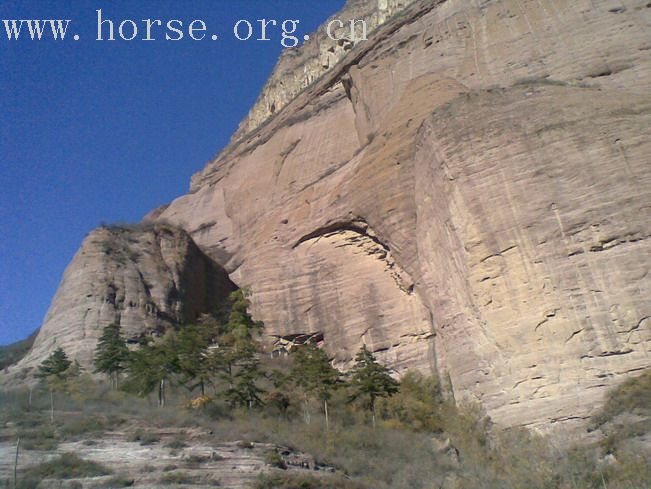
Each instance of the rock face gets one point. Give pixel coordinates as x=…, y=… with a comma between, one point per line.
x=144, y=278
x=299, y=68
x=468, y=191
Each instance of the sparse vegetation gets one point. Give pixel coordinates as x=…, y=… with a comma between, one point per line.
x=197, y=460
x=545, y=80
x=82, y=426
x=143, y=226
x=116, y=482
x=143, y=437
x=66, y=466
x=422, y=440
x=176, y=444
x=302, y=481
x=178, y=478
x=273, y=459
x=43, y=437
x=219, y=387
x=633, y=396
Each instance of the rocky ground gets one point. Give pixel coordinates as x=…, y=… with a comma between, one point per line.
x=162, y=458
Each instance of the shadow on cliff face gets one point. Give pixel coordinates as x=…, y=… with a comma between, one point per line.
x=145, y=278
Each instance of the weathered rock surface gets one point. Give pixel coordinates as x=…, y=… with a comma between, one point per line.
x=469, y=192
x=144, y=278
x=298, y=68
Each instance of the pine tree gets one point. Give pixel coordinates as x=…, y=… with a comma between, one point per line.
x=245, y=391
x=55, y=365
x=237, y=353
x=371, y=380
x=315, y=375
x=111, y=354
x=153, y=366
x=195, y=360
x=241, y=326
x=55, y=370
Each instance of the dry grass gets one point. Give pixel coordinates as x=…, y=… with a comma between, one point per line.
x=66, y=466
x=400, y=454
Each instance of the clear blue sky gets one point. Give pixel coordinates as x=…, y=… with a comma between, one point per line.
x=94, y=132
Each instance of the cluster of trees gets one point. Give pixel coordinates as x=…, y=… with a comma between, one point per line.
x=222, y=355
x=207, y=354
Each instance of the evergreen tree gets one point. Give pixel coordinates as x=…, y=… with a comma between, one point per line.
x=421, y=403
x=111, y=354
x=237, y=353
x=315, y=375
x=245, y=390
x=55, y=365
x=196, y=364
x=56, y=370
x=371, y=380
x=153, y=366
x=278, y=399
x=241, y=325
x=199, y=352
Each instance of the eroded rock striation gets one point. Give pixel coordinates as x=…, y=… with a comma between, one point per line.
x=299, y=68
x=146, y=278
x=467, y=192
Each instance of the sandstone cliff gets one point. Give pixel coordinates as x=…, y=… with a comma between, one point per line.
x=298, y=68
x=144, y=278
x=468, y=192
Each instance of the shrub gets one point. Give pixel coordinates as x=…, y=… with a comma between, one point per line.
x=418, y=405
x=145, y=438
x=296, y=481
x=149, y=439
x=116, y=482
x=176, y=444
x=178, y=478
x=66, y=466
x=423, y=440
x=78, y=426
x=40, y=438
x=273, y=458
x=26, y=481
x=195, y=461
x=625, y=416
x=633, y=395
